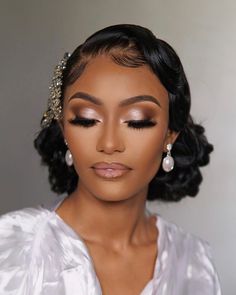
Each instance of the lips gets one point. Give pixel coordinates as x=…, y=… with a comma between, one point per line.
x=110, y=170
x=113, y=166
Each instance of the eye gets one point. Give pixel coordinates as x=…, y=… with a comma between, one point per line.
x=135, y=124
x=140, y=124
x=84, y=122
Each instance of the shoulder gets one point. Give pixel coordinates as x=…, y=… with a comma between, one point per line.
x=193, y=256
x=22, y=219
x=22, y=225
x=26, y=224
x=40, y=254
x=182, y=239
x=18, y=232
x=26, y=248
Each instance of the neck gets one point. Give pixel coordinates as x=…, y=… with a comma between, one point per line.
x=114, y=223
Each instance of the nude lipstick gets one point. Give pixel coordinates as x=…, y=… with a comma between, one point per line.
x=110, y=170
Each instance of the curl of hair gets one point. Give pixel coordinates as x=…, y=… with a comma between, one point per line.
x=133, y=46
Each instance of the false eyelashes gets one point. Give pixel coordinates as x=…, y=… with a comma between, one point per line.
x=136, y=124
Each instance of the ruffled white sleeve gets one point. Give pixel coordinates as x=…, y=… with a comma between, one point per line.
x=41, y=255
x=185, y=265
x=17, y=242
x=201, y=274
x=21, y=271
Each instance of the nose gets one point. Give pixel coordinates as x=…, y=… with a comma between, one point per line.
x=110, y=140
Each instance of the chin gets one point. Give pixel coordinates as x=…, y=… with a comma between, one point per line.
x=111, y=195
x=111, y=198
x=111, y=201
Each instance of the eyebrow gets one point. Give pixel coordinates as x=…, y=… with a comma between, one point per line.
x=125, y=102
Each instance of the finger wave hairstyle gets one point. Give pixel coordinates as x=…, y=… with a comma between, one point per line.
x=133, y=46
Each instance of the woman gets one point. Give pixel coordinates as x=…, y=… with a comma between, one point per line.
x=117, y=132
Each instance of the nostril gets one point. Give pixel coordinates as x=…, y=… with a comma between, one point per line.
x=110, y=145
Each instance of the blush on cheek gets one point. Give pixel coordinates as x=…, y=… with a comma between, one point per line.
x=155, y=162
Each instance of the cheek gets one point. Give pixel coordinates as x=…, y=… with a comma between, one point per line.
x=82, y=144
x=149, y=143
x=148, y=151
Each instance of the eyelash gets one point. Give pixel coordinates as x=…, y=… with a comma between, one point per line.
x=135, y=124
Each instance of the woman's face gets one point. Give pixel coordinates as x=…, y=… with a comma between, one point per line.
x=105, y=130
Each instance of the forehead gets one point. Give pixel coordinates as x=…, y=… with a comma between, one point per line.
x=111, y=82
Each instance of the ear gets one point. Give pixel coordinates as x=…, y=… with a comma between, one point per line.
x=171, y=137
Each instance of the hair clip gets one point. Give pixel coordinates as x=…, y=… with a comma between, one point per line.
x=54, y=102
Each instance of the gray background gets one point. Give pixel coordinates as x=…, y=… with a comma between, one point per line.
x=34, y=36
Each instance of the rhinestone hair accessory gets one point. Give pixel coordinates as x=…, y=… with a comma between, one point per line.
x=54, y=102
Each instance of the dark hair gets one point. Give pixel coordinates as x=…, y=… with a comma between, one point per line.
x=132, y=46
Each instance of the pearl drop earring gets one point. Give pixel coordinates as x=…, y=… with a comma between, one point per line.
x=168, y=161
x=68, y=156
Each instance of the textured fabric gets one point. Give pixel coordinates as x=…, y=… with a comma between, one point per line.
x=41, y=254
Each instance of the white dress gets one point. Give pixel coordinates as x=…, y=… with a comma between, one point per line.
x=41, y=255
